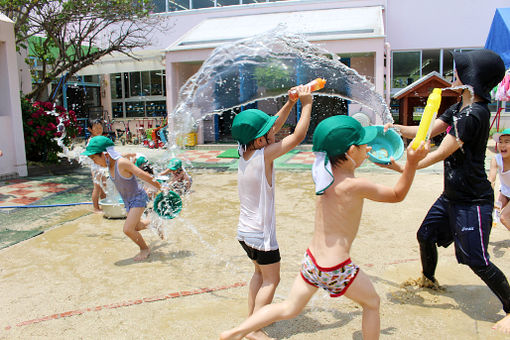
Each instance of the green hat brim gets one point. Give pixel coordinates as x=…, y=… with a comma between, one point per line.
x=269, y=124
x=370, y=134
x=499, y=134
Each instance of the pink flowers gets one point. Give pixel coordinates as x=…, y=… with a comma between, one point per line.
x=45, y=126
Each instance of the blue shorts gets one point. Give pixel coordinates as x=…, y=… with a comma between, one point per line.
x=468, y=226
x=138, y=201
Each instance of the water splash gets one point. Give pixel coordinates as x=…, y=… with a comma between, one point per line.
x=266, y=66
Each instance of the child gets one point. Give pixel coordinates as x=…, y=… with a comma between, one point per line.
x=181, y=180
x=340, y=146
x=463, y=213
x=255, y=132
x=500, y=164
x=95, y=127
x=123, y=174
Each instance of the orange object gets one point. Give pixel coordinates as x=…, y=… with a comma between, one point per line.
x=315, y=85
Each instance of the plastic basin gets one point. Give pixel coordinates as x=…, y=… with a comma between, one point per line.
x=386, y=145
x=112, y=209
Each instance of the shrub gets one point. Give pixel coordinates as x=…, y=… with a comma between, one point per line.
x=44, y=125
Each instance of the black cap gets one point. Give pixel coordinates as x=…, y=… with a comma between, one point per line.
x=482, y=69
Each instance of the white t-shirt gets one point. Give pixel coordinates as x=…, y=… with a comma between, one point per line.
x=257, y=219
x=504, y=176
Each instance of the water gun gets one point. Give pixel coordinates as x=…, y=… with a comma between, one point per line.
x=428, y=117
x=315, y=85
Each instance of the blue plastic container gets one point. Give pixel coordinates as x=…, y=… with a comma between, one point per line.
x=385, y=145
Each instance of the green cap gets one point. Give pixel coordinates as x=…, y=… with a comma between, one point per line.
x=175, y=164
x=334, y=135
x=97, y=144
x=251, y=124
x=499, y=134
x=141, y=161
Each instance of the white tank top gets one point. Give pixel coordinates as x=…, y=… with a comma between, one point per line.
x=504, y=176
x=257, y=219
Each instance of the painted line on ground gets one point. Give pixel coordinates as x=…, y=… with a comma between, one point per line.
x=127, y=303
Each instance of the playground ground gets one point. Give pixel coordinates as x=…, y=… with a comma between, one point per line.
x=71, y=274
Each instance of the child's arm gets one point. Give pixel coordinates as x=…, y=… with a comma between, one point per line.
x=284, y=112
x=447, y=147
x=164, y=172
x=493, y=172
x=410, y=131
x=382, y=193
x=275, y=150
x=127, y=166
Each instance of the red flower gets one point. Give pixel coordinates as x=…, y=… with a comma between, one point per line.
x=47, y=105
x=30, y=122
x=42, y=132
x=51, y=126
x=32, y=140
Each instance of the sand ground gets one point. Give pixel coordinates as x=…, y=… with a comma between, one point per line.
x=78, y=280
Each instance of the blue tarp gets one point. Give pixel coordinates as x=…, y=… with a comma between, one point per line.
x=498, y=39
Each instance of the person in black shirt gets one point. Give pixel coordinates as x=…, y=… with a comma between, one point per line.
x=463, y=212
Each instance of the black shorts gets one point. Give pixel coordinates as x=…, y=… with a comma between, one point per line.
x=260, y=256
x=468, y=226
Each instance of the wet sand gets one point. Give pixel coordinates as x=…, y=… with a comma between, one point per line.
x=85, y=268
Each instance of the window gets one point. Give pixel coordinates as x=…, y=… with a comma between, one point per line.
x=135, y=86
x=118, y=110
x=431, y=60
x=146, y=83
x=159, y=6
x=202, y=4
x=135, y=109
x=116, y=85
x=177, y=5
x=156, y=83
x=406, y=68
x=156, y=108
x=221, y=3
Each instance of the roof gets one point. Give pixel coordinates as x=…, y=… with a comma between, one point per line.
x=317, y=25
x=421, y=81
x=118, y=62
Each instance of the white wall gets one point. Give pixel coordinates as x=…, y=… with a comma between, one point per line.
x=435, y=24
x=13, y=162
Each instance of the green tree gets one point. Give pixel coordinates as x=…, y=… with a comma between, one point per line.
x=67, y=35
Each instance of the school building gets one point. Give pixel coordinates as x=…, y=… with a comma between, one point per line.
x=392, y=43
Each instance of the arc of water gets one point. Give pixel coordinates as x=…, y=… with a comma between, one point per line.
x=269, y=64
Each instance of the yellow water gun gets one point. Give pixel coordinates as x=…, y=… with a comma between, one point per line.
x=428, y=117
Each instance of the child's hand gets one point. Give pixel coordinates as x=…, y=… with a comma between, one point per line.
x=305, y=94
x=387, y=126
x=414, y=156
x=392, y=165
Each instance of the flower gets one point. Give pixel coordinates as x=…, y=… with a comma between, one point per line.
x=43, y=129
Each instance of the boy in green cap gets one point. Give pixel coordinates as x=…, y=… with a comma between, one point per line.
x=181, y=181
x=123, y=173
x=256, y=231
x=340, y=145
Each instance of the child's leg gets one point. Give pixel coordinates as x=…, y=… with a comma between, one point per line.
x=95, y=197
x=299, y=296
x=263, y=285
x=363, y=292
x=504, y=216
x=130, y=229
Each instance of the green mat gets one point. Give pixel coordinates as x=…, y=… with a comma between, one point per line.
x=11, y=237
x=229, y=153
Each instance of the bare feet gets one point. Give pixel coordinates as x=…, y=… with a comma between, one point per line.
x=98, y=211
x=142, y=255
x=258, y=335
x=503, y=325
x=230, y=335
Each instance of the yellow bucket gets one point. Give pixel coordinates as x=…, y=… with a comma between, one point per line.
x=188, y=139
